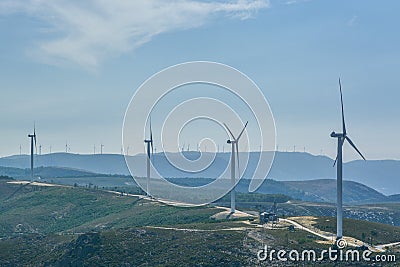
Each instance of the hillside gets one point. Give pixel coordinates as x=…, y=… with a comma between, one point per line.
x=320, y=190
x=44, y=210
x=325, y=190
x=394, y=198
x=43, y=172
x=381, y=175
x=58, y=226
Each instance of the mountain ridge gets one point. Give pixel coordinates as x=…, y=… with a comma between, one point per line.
x=381, y=175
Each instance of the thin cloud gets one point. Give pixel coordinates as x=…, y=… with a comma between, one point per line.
x=291, y=2
x=352, y=21
x=88, y=32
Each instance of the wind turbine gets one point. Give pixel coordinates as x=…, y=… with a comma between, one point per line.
x=235, y=145
x=342, y=137
x=149, y=143
x=33, y=138
x=183, y=147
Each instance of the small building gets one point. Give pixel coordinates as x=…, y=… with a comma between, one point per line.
x=271, y=216
x=266, y=217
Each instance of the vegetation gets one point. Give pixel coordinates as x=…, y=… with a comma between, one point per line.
x=256, y=198
x=369, y=232
x=66, y=209
x=5, y=177
x=61, y=226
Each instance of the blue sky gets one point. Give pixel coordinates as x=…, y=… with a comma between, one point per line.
x=73, y=67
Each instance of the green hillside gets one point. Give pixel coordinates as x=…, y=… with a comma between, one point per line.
x=72, y=226
x=70, y=209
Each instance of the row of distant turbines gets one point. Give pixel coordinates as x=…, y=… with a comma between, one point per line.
x=67, y=149
x=234, y=142
x=183, y=148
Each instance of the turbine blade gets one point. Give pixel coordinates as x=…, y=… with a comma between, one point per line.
x=334, y=163
x=237, y=159
x=151, y=133
x=34, y=136
x=341, y=145
x=341, y=101
x=242, y=130
x=354, y=146
x=226, y=126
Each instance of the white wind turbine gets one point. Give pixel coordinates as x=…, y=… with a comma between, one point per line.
x=33, y=139
x=149, y=143
x=342, y=137
x=235, y=146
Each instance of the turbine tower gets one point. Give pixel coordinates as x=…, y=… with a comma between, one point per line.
x=235, y=145
x=33, y=139
x=341, y=137
x=149, y=143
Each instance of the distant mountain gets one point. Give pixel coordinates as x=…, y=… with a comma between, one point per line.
x=104, y=163
x=394, y=198
x=319, y=190
x=382, y=175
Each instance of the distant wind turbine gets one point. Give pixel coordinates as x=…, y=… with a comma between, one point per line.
x=33, y=139
x=149, y=143
x=235, y=145
x=342, y=137
x=101, y=149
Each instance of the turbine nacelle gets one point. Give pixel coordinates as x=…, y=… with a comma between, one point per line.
x=337, y=135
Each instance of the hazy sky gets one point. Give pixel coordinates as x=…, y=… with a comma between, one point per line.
x=72, y=67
